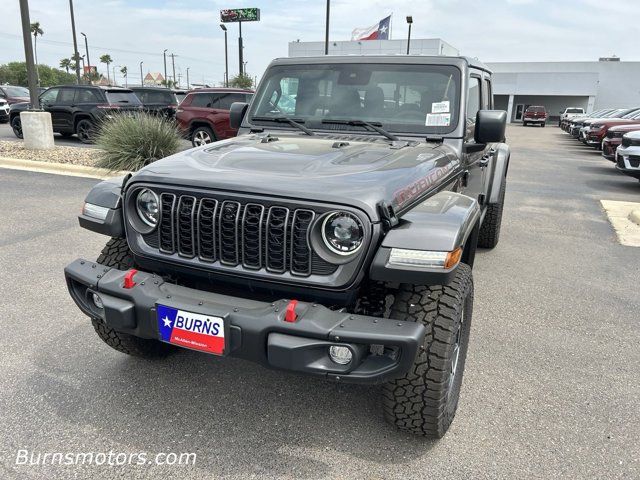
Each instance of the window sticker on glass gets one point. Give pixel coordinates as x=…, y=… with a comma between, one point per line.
x=438, y=119
x=440, y=107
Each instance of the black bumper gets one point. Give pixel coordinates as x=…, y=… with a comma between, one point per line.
x=257, y=331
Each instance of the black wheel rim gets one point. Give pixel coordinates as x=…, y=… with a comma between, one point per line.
x=17, y=127
x=83, y=131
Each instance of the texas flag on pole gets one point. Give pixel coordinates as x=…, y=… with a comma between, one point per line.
x=379, y=31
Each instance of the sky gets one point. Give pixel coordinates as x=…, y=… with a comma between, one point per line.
x=132, y=31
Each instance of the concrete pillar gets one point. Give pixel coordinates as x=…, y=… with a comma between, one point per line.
x=37, y=130
x=591, y=102
x=510, y=109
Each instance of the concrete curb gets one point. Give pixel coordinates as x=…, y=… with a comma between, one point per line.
x=634, y=216
x=58, y=168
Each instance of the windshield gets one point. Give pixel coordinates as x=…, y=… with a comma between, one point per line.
x=535, y=109
x=574, y=110
x=16, y=91
x=123, y=97
x=400, y=98
x=631, y=114
x=180, y=96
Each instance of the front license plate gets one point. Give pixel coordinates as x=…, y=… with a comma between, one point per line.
x=191, y=330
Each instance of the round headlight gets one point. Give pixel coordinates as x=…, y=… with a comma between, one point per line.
x=147, y=207
x=342, y=233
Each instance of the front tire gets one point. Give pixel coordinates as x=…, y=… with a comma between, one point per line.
x=425, y=400
x=489, y=234
x=16, y=126
x=116, y=254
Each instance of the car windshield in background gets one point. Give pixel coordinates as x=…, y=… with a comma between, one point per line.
x=536, y=109
x=180, y=96
x=16, y=91
x=156, y=96
x=574, y=110
x=123, y=97
x=401, y=98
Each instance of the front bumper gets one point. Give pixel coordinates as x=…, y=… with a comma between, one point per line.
x=628, y=161
x=534, y=120
x=257, y=331
x=609, y=147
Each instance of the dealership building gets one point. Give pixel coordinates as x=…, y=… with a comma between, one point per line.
x=607, y=83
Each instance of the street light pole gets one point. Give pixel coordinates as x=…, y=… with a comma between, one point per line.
x=164, y=54
x=410, y=22
x=188, y=78
x=32, y=76
x=141, y=77
x=226, y=56
x=173, y=66
x=75, y=42
x=326, y=31
x=240, y=48
x=86, y=47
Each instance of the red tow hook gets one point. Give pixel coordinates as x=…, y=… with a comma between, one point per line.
x=128, y=278
x=290, y=314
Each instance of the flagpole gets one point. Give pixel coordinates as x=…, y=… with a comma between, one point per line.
x=391, y=27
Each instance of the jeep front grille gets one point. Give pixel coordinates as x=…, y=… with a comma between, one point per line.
x=233, y=233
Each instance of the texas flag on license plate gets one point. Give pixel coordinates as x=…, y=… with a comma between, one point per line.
x=191, y=330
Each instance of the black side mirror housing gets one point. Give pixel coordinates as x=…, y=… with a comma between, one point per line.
x=236, y=114
x=490, y=126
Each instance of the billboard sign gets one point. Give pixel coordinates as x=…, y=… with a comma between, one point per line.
x=240, y=15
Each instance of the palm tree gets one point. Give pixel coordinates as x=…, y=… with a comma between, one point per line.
x=106, y=58
x=66, y=64
x=36, y=30
x=123, y=71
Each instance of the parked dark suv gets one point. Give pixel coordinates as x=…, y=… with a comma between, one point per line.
x=203, y=115
x=77, y=109
x=158, y=100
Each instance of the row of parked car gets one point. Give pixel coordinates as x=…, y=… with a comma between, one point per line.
x=614, y=131
x=202, y=115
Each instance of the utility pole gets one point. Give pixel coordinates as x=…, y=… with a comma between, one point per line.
x=141, y=77
x=164, y=54
x=410, y=22
x=226, y=56
x=113, y=69
x=32, y=75
x=240, y=48
x=86, y=47
x=75, y=42
x=173, y=66
x=188, y=78
x=326, y=31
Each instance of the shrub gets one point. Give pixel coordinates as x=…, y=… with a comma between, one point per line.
x=129, y=142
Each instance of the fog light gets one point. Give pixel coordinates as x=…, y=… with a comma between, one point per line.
x=97, y=301
x=340, y=355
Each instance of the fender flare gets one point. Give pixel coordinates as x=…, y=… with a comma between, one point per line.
x=106, y=194
x=442, y=223
x=501, y=159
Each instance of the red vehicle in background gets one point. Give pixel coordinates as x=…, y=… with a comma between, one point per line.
x=613, y=139
x=535, y=114
x=203, y=115
x=599, y=128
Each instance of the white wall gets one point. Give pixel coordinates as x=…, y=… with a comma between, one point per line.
x=429, y=46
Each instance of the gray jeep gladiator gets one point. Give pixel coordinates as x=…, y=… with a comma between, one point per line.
x=335, y=236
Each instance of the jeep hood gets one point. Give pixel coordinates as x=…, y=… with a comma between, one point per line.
x=361, y=171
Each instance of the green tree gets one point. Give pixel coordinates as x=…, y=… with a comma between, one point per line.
x=169, y=83
x=36, y=30
x=241, y=80
x=106, y=58
x=66, y=64
x=123, y=71
x=15, y=73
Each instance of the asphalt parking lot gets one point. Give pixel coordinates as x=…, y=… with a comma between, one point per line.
x=551, y=386
x=7, y=134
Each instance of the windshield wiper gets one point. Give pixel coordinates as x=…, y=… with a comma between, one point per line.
x=360, y=123
x=290, y=121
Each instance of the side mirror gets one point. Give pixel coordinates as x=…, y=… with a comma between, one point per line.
x=236, y=114
x=490, y=126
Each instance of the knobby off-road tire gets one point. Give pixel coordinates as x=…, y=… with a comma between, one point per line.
x=425, y=400
x=116, y=254
x=490, y=230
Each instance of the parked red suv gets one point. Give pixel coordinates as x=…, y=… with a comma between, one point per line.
x=203, y=115
x=534, y=114
x=613, y=139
